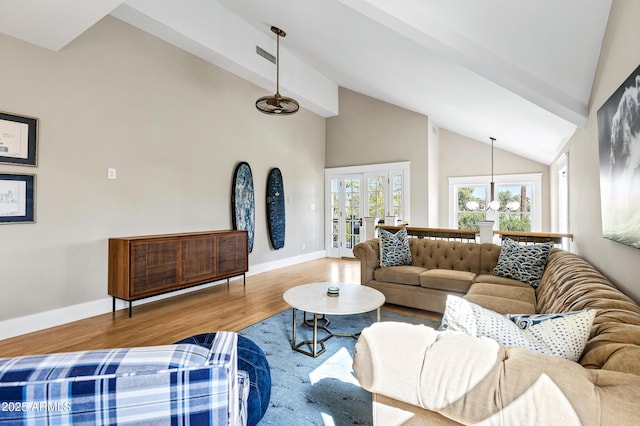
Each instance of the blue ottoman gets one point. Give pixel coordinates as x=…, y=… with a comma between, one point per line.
x=252, y=360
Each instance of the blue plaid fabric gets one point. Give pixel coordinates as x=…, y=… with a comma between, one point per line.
x=173, y=385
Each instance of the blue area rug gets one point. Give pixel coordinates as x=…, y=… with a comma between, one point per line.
x=316, y=391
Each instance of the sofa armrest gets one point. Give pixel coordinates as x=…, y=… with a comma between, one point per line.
x=224, y=353
x=471, y=379
x=368, y=252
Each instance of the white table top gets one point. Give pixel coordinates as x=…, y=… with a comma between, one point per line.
x=353, y=298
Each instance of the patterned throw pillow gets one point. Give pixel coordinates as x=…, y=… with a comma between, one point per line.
x=522, y=263
x=394, y=248
x=562, y=335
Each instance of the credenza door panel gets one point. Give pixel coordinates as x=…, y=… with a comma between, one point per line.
x=198, y=259
x=154, y=266
x=230, y=260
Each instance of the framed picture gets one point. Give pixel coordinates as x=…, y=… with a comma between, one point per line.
x=17, y=198
x=18, y=139
x=619, y=151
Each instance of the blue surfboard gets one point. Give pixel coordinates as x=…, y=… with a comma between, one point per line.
x=242, y=201
x=275, y=208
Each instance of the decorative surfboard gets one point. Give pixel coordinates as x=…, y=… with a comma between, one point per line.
x=242, y=201
x=275, y=208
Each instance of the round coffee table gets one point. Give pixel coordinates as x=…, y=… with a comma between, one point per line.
x=313, y=298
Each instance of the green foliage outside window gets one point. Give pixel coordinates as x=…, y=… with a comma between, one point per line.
x=508, y=221
x=515, y=223
x=469, y=220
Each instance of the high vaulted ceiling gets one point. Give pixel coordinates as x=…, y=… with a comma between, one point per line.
x=519, y=71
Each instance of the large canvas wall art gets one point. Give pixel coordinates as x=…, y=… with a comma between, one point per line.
x=619, y=144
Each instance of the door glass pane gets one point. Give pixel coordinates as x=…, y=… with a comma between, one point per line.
x=335, y=212
x=352, y=211
x=376, y=192
x=396, y=194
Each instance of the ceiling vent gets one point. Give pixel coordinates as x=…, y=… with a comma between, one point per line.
x=268, y=56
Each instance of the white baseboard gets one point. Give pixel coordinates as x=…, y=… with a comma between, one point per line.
x=40, y=321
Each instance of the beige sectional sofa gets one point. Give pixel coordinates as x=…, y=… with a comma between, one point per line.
x=440, y=268
x=421, y=376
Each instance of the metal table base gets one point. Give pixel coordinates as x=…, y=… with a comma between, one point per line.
x=318, y=321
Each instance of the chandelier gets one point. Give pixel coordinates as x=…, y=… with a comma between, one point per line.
x=494, y=204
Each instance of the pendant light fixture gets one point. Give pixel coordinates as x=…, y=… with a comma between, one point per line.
x=277, y=104
x=494, y=204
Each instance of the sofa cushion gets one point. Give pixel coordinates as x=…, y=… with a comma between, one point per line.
x=494, y=279
x=394, y=248
x=501, y=304
x=506, y=299
x=523, y=263
x=523, y=294
x=406, y=274
x=562, y=335
x=447, y=279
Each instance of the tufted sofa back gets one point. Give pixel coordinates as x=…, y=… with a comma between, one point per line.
x=439, y=254
x=570, y=283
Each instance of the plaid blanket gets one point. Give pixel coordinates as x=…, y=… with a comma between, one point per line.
x=173, y=384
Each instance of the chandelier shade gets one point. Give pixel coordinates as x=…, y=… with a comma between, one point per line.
x=277, y=104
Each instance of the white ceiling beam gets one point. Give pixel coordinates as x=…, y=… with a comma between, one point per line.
x=51, y=24
x=413, y=25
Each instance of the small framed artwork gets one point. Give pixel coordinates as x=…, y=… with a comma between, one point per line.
x=17, y=198
x=18, y=139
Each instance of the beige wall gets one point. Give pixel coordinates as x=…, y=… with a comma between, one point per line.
x=173, y=126
x=369, y=131
x=620, y=55
x=461, y=156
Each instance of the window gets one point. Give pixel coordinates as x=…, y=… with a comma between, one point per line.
x=563, y=193
x=520, y=198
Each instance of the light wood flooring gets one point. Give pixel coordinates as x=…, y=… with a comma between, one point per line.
x=169, y=320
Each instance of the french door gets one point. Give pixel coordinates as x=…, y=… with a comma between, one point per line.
x=346, y=211
x=376, y=191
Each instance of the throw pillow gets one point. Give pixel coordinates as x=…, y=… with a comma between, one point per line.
x=562, y=335
x=522, y=263
x=394, y=248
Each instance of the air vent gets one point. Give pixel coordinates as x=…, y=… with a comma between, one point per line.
x=268, y=56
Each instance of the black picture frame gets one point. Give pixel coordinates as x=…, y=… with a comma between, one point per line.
x=18, y=139
x=17, y=198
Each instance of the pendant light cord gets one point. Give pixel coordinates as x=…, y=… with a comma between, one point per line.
x=278, y=64
x=492, y=184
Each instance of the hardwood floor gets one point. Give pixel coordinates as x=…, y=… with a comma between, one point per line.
x=209, y=309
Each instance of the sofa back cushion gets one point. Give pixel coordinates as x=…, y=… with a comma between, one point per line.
x=440, y=254
x=570, y=283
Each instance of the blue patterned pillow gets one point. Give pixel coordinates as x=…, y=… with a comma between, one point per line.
x=562, y=335
x=394, y=248
x=522, y=263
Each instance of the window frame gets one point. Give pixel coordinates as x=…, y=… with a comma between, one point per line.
x=533, y=179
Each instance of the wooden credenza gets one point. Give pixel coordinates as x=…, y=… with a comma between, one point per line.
x=146, y=266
